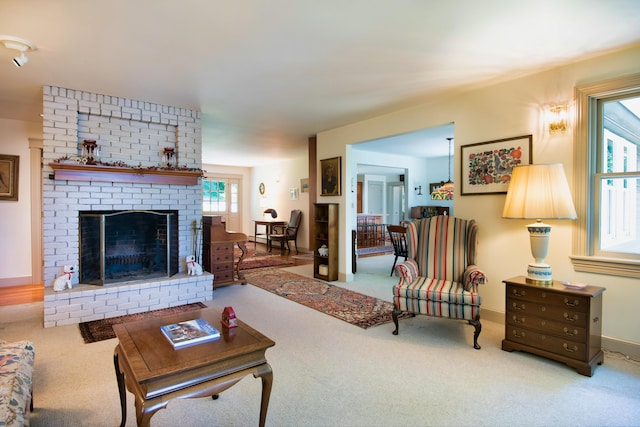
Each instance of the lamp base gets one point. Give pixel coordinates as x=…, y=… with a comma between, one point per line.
x=539, y=274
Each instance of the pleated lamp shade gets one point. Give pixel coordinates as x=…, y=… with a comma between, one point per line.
x=539, y=192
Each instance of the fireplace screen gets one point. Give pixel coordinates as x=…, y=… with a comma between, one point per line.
x=122, y=246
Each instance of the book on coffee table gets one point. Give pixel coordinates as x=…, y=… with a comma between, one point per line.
x=190, y=332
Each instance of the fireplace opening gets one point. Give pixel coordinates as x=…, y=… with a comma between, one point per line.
x=122, y=246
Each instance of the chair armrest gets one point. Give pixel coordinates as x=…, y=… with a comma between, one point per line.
x=473, y=277
x=278, y=229
x=407, y=270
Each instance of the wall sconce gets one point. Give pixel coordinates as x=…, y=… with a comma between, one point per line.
x=419, y=190
x=558, y=118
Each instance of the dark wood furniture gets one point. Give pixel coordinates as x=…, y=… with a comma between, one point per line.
x=325, y=267
x=268, y=225
x=428, y=211
x=398, y=235
x=218, y=252
x=286, y=233
x=155, y=373
x=555, y=322
x=371, y=230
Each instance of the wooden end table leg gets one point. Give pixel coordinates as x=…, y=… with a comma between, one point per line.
x=266, y=374
x=121, y=387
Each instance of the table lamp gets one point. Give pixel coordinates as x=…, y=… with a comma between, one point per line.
x=539, y=192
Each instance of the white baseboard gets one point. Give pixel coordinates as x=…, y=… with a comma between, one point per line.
x=626, y=348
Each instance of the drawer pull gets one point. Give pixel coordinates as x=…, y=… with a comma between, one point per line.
x=517, y=335
x=519, y=293
x=570, y=318
x=571, y=333
x=575, y=302
x=519, y=307
x=517, y=320
x=570, y=349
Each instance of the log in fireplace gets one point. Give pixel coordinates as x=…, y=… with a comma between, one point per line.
x=123, y=246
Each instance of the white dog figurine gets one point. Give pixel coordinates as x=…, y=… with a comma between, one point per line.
x=64, y=281
x=194, y=269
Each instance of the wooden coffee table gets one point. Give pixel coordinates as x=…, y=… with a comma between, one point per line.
x=150, y=368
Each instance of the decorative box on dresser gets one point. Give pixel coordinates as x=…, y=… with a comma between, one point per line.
x=218, y=255
x=325, y=265
x=556, y=322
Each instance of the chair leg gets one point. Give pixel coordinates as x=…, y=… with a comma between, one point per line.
x=478, y=328
x=393, y=266
x=394, y=316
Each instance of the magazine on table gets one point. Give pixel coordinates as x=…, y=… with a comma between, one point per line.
x=189, y=332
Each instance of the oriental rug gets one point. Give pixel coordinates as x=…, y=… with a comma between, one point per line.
x=374, y=250
x=98, y=330
x=352, y=307
x=264, y=261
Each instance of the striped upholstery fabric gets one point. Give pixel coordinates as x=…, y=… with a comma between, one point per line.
x=440, y=277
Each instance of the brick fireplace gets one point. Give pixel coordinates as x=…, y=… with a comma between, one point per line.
x=128, y=133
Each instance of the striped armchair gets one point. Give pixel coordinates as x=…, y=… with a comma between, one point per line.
x=440, y=277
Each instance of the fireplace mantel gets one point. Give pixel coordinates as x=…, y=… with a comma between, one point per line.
x=75, y=172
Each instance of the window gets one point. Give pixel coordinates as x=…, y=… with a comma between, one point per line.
x=607, y=178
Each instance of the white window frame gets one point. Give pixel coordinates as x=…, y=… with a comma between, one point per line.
x=585, y=198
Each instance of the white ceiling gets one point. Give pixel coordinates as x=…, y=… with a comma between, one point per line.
x=268, y=74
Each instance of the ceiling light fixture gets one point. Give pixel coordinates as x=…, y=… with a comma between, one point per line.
x=445, y=190
x=20, y=45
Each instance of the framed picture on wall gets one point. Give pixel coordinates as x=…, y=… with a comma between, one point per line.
x=304, y=185
x=331, y=170
x=9, y=168
x=486, y=166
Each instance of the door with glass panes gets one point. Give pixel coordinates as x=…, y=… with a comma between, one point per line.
x=221, y=196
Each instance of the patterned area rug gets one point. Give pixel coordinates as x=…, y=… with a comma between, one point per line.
x=264, y=261
x=352, y=307
x=98, y=330
x=375, y=250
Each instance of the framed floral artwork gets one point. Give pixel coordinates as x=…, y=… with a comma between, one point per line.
x=9, y=167
x=486, y=166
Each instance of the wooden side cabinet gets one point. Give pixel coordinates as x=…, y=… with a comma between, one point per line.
x=325, y=264
x=555, y=322
x=218, y=252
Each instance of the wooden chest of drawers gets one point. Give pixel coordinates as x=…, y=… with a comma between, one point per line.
x=555, y=322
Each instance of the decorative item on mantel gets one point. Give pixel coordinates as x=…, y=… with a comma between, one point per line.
x=90, y=152
x=168, y=153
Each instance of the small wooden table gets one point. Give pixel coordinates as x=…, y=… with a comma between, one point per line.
x=150, y=368
x=268, y=225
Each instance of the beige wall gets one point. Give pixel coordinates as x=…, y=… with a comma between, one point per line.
x=15, y=223
x=504, y=110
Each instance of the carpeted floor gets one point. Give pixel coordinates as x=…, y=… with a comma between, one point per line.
x=352, y=307
x=99, y=330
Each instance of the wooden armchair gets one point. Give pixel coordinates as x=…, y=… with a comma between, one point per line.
x=440, y=277
x=398, y=235
x=284, y=234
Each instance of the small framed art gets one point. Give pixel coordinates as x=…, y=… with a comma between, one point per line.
x=9, y=168
x=486, y=166
x=304, y=185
